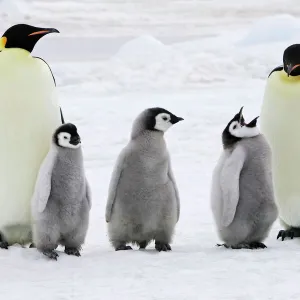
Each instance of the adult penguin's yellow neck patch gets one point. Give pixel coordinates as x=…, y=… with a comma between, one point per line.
x=3, y=41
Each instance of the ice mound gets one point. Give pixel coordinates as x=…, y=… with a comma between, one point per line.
x=144, y=48
x=272, y=29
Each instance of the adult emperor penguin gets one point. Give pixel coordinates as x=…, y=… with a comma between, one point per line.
x=280, y=123
x=143, y=201
x=29, y=113
x=242, y=196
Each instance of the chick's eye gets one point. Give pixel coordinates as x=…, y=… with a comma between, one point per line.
x=234, y=127
x=165, y=118
x=65, y=137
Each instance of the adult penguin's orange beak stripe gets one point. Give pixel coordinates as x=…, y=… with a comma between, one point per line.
x=291, y=68
x=44, y=31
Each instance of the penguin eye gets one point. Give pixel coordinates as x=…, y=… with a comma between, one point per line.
x=234, y=127
x=65, y=137
x=165, y=118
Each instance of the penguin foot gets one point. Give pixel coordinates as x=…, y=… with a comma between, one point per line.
x=223, y=245
x=143, y=245
x=123, y=247
x=51, y=254
x=241, y=246
x=3, y=245
x=32, y=245
x=289, y=233
x=257, y=245
x=72, y=251
x=159, y=246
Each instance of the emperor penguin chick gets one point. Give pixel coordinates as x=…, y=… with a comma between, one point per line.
x=143, y=201
x=62, y=199
x=242, y=196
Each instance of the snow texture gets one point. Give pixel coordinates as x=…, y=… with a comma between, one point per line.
x=201, y=60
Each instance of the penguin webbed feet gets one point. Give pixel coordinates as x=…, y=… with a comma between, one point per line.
x=143, y=245
x=72, y=251
x=251, y=246
x=289, y=233
x=160, y=246
x=257, y=245
x=50, y=254
x=123, y=247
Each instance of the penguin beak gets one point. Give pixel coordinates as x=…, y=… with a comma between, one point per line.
x=252, y=123
x=44, y=31
x=75, y=140
x=175, y=119
x=291, y=68
x=241, y=118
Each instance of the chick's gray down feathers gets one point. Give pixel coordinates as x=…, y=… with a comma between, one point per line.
x=61, y=201
x=143, y=201
x=242, y=196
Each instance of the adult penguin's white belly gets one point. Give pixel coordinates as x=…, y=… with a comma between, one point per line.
x=29, y=114
x=280, y=122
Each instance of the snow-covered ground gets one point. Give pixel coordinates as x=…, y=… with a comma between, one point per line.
x=201, y=60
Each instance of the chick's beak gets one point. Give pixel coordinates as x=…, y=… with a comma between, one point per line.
x=252, y=123
x=75, y=140
x=241, y=118
x=175, y=119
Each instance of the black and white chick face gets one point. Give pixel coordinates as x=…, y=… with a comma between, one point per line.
x=66, y=136
x=160, y=119
x=237, y=129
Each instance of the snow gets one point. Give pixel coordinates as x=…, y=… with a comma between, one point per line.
x=273, y=29
x=202, y=60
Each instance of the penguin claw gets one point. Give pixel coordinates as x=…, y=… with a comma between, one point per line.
x=72, y=251
x=222, y=245
x=162, y=247
x=285, y=233
x=123, y=247
x=50, y=254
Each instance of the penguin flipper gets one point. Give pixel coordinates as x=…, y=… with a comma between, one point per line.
x=114, y=182
x=172, y=178
x=279, y=68
x=43, y=183
x=229, y=181
x=61, y=116
x=88, y=193
x=48, y=67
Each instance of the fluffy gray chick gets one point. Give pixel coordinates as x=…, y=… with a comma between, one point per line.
x=242, y=196
x=143, y=201
x=62, y=200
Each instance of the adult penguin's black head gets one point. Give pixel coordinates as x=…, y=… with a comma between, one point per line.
x=291, y=60
x=23, y=36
